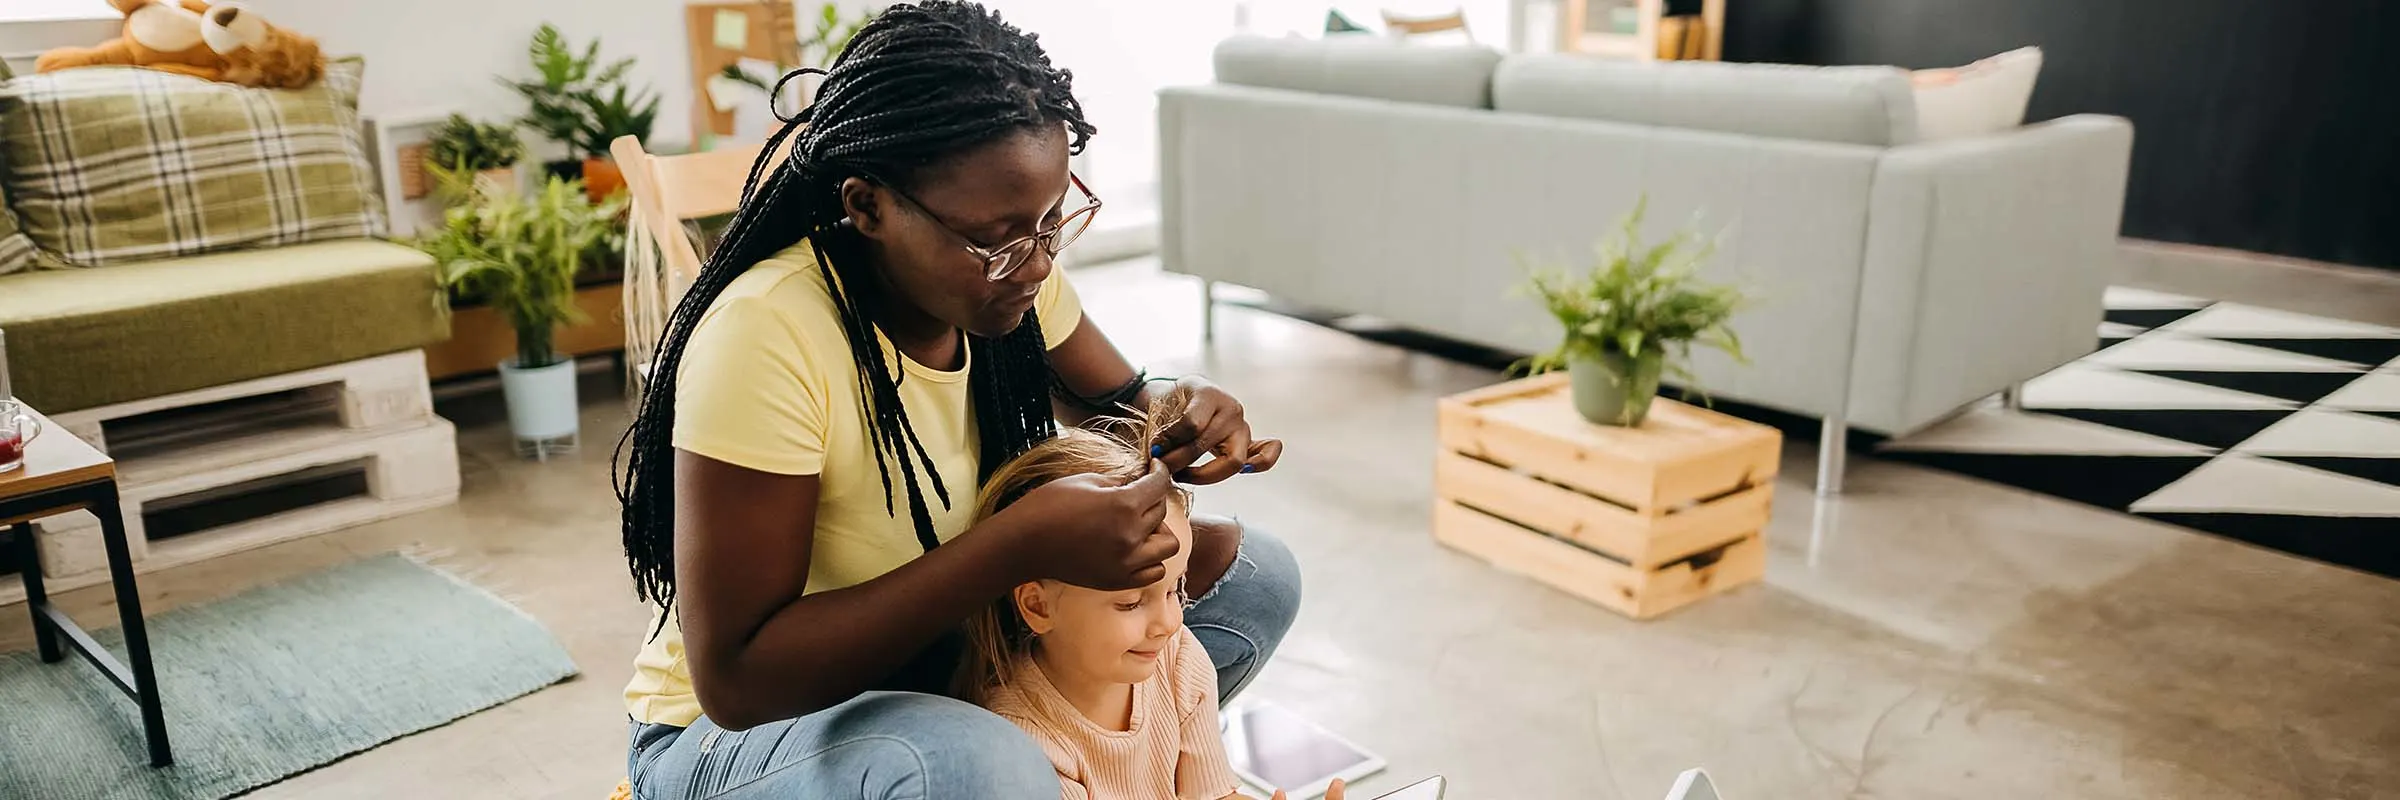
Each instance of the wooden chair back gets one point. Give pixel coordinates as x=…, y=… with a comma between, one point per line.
x=661, y=259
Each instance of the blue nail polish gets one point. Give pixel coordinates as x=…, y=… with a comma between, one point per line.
x=1247, y=469
x=1157, y=450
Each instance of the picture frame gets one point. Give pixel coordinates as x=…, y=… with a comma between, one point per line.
x=397, y=143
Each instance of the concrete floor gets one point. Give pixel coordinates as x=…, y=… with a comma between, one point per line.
x=1927, y=636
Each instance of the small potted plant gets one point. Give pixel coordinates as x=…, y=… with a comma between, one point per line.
x=1635, y=316
x=554, y=99
x=619, y=112
x=520, y=254
x=490, y=152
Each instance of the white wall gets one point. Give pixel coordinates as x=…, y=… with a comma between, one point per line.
x=442, y=54
x=439, y=55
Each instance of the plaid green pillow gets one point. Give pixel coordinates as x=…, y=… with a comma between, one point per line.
x=114, y=165
x=16, y=251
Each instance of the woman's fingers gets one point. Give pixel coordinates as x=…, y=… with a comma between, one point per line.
x=1181, y=457
x=1232, y=458
x=1186, y=430
x=1263, y=455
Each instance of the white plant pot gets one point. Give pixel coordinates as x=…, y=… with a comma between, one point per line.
x=542, y=407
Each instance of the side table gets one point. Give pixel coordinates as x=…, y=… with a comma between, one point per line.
x=61, y=474
x=1639, y=520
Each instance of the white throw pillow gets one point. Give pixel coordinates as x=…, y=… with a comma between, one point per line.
x=1978, y=99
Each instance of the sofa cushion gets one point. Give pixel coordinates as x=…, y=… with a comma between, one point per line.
x=1362, y=66
x=89, y=337
x=1979, y=99
x=1856, y=105
x=111, y=165
x=16, y=250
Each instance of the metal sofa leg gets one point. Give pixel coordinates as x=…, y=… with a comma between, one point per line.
x=1208, y=311
x=2012, y=398
x=1833, y=450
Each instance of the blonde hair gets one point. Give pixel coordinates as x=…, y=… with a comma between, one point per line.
x=1115, y=447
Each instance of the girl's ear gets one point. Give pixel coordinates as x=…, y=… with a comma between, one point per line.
x=862, y=203
x=1034, y=606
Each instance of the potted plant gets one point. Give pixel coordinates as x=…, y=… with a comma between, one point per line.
x=465, y=147
x=520, y=255
x=605, y=118
x=554, y=105
x=1633, y=317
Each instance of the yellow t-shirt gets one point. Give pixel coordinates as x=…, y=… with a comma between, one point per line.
x=768, y=383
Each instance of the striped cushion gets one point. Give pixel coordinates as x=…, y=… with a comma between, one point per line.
x=16, y=251
x=115, y=165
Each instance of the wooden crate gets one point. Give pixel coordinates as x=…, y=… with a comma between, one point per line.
x=480, y=339
x=1641, y=520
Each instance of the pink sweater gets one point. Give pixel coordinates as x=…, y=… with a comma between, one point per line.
x=1171, y=752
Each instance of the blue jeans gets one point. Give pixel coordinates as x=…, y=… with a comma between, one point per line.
x=908, y=746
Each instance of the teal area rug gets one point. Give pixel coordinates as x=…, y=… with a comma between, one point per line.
x=273, y=682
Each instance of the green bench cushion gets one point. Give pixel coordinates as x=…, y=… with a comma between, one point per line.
x=92, y=337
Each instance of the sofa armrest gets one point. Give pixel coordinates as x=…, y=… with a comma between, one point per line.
x=1986, y=262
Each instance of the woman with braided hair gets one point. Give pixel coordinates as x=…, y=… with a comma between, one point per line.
x=881, y=325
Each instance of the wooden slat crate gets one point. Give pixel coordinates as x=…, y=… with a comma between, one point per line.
x=1640, y=520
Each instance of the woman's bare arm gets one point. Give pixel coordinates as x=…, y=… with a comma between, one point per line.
x=760, y=650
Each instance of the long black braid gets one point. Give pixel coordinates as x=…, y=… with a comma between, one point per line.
x=919, y=84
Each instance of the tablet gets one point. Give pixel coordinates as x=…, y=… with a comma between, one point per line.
x=1428, y=789
x=1275, y=749
x=1693, y=784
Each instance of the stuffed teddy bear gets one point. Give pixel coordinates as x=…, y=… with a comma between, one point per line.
x=260, y=54
x=228, y=42
x=157, y=35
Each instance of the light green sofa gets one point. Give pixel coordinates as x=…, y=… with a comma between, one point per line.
x=80, y=338
x=230, y=262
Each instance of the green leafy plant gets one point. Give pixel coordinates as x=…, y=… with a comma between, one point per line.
x=608, y=116
x=1639, y=302
x=464, y=145
x=553, y=99
x=520, y=254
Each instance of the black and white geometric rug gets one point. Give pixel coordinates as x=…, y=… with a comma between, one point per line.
x=2274, y=428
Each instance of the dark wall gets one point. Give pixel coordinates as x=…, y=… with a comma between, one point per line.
x=2265, y=125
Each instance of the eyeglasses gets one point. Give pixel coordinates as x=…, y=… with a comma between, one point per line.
x=1003, y=261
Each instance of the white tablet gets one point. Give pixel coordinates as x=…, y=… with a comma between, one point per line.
x=1428, y=789
x=1275, y=749
x=1693, y=784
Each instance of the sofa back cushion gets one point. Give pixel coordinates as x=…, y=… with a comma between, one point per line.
x=1853, y=105
x=110, y=165
x=1362, y=66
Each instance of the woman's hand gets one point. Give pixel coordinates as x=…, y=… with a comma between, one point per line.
x=1095, y=532
x=1214, y=426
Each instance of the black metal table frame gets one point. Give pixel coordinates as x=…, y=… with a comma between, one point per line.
x=139, y=681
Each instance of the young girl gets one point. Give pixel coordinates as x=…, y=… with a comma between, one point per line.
x=1117, y=692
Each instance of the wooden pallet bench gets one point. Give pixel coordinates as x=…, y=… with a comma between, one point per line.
x=369, y=421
